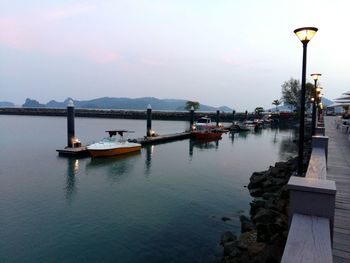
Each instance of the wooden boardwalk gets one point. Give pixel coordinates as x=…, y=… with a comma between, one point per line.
x=339, y=171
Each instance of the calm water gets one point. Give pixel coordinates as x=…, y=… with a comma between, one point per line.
x=163, y=204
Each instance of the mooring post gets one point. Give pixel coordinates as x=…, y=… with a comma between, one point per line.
x=149, y=120
x=233, y=116
x=217, y=117
x=191, y=118
x=70, y=124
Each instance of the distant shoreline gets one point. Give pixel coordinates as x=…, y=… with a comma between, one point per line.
x=119, y=114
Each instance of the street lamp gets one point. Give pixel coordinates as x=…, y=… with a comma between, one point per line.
x=315, y=77
x=304, y=34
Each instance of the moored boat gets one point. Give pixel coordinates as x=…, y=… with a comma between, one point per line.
x=205, y=133
x=111, y=146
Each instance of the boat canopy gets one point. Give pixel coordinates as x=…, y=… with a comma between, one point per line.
x=119, y=132
x=204, y=120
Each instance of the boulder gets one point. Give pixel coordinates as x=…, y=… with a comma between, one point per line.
x=257, y=179
x=246, y=224
x=227, y=236
x=246, y=239
x=231, y=249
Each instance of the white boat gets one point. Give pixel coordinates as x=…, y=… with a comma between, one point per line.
x=204, y=122
x=111, y=146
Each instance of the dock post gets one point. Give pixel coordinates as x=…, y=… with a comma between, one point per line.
x=149, y=120
x=233, y=116
x=70, y=124
x=191, y=118
x=217, y=117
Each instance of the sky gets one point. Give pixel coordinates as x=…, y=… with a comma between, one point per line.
x=236, y=53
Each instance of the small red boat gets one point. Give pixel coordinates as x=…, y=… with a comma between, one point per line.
x=206, y=134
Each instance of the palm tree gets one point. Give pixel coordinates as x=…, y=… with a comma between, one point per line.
x=276, y=103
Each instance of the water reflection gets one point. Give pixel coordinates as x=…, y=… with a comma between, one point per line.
x=203, y=145
x=148, y=162
x=288, y=145
x=72, y=170
x=114, y=167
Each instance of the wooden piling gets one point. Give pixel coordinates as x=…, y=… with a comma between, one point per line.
x=149, y=120
x=70, y=123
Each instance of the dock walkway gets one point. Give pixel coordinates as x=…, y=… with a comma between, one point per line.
x=339, y=171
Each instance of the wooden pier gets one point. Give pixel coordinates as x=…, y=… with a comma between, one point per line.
x=164, y=138
x=339, y=171
x=76, y=151
x=82, y=151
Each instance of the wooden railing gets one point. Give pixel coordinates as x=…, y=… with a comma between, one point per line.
x=311, y=209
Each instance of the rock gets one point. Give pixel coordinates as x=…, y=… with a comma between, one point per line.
x=225, y=218
x=255, y=205
x=263, y=233
x=228, y=236
x=278, y=181
x=257, y=249
x=257, y=179
x=267, y=196
x=274, y=171
x=246, y=224
x=256, y=192
x=246, y=239
x=231, y=249
x=265, y=216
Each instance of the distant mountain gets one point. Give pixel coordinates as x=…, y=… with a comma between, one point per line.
x=29, y=103
x=127, y=104
x=6, y=104
x=326, y=102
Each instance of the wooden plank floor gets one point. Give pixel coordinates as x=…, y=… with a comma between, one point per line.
x=339, y=171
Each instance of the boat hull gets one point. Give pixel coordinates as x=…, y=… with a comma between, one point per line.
x=206, y=135
x=113, y=152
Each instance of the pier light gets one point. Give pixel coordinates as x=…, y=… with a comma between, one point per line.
x=305, y=34
x=316, y=76
x=316, y=90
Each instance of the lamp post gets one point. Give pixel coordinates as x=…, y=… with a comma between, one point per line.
x=304, y=34
x=315, y=77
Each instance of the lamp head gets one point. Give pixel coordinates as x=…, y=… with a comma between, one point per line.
x=305, y=34
x=316, y=76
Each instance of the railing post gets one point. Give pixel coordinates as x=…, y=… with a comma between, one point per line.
x=312, y=197
x=319, y=141
x=320, y=131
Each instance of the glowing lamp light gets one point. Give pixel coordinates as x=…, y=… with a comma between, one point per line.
x=316, y=76
x=305, y=34
x=318, y=89
x=312, y=99
x=75, y=142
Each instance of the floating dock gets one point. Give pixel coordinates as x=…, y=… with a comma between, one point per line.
x=163, y=138
x=76, y=151
x=82, y=151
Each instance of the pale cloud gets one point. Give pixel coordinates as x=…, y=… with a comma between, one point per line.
x=152, y=62
x=68, y=11
x=41, y=32
x=103, y=56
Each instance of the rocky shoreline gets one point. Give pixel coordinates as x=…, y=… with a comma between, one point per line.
x=264, y=234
